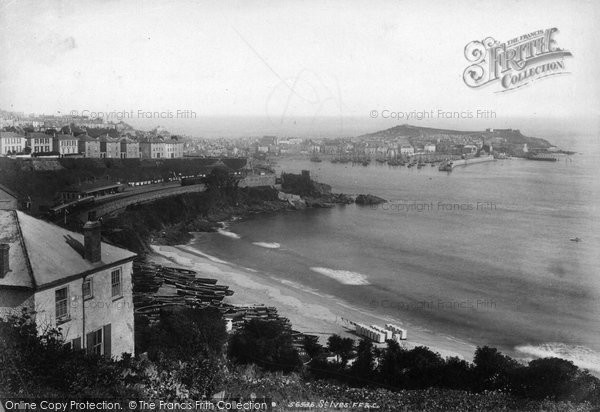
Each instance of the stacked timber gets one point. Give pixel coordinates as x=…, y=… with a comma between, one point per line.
x=157, y=287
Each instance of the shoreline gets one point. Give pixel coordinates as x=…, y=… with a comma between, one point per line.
x=308, y=310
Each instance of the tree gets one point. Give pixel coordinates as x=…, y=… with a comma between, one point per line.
x=492, y=369
x=556, y=379
x=41, y=365
x=342, y=347
x=456, y=373
x=363, y=367
x=424, y=367
x=221, y=185
x=265, y=343
x=185, y=334
x=312, y=347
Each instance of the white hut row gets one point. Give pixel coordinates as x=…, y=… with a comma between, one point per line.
x=370, y=333
x=397, y=330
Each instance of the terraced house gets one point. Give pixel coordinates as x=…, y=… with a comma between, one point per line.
x=65, y=144
x=129, y=149
x=152, y=148
x=39, y=142
x=71, y=281
x=12, y=143
x=88, y=146
x=173, y=148
x=110, y=147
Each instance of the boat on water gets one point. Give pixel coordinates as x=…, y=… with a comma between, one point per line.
x=315, y=159
x=575, y=239
x=445, y=167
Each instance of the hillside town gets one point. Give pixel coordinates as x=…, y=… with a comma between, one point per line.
x=23, y=136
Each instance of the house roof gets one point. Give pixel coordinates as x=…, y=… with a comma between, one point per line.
x=65, y=137
x=4, y=135
x=86, y=138
x=42, y=254
x=38, y=135
x=108, y=139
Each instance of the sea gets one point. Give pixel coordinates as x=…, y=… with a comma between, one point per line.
x=483, y=254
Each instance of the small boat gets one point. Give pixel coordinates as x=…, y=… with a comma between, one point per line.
x=575, y=239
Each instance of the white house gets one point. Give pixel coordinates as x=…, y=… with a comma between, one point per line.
x=12, y=143
x=173, y=149
x=39, y=142
x=407, y=150
x=429, y=148
x=65, y=144
x=70, y=281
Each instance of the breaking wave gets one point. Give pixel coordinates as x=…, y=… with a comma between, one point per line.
x=228, y=234
x=343, y=276
x=267, y=245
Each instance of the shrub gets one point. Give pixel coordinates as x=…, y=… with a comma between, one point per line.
x=265, y=343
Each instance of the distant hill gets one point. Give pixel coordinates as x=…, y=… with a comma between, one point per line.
x=409, y=132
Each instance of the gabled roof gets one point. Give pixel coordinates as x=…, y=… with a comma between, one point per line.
x=42, y=254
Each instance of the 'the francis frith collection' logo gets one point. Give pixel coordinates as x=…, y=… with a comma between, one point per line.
x=514, y=63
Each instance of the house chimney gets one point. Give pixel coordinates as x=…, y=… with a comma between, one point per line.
x=4, y=267
x=91, y=241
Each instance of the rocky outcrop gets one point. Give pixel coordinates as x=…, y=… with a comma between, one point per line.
x=369, y=200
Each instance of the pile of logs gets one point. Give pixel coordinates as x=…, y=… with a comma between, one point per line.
x=157, y=287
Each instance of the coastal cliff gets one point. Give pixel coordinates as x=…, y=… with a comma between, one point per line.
x=171, y=220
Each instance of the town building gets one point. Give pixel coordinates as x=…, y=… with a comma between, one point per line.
x=130, y=149
x=110, y=147
x=429, y=148
x=173, y=148
x=12, y=143
x=70, y=281
x=407, y=150
x=65, y=144
x=152, y=148
x=88, y=146
x=39, y=142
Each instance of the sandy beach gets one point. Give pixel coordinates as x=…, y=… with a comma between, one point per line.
x=309, y=310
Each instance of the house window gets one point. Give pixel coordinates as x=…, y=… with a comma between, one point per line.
x=88, y=291
x=95, y=342
x=62, y=303
x=115, y=281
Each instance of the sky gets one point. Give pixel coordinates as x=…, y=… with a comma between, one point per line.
x=289, y=61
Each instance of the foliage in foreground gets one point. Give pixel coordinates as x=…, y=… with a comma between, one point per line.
x=395, y=367
x=184, y=360
x=287, y=389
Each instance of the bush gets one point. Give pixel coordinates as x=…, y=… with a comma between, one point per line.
x=267, y=344
x=184, y=334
